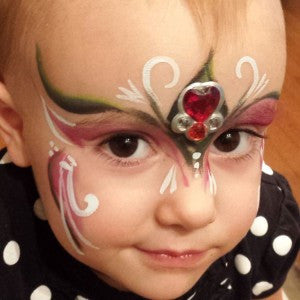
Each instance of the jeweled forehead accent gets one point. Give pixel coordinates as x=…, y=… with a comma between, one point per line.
x=199, y=110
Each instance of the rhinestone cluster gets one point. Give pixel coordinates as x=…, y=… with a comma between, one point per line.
x=199, y=106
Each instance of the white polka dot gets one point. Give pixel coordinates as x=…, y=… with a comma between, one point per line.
x=261, y=287
x=260, y=226
x=242, y=264
x=39, y=211
x=80, y=298
x=282, y=245
x=5, y=159
x=229, y=287
x=266, y=169
x=41, y=293
x=11, y=253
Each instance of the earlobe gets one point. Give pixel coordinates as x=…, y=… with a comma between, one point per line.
x=11, y=127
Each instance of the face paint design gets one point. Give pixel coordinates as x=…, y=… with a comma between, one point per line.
x=199, y=107
x=170, y=180
x=49, y=115
x=258, y=85
x=132, y=95
x=73, y=104
x=192, y=152
x=196, y=157
x=209, y=179
x=212, y=183
x=61, y=171
x=153, y=98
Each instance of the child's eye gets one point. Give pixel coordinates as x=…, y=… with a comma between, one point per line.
x=234, y=142
x=127, y=146
x=125, y=149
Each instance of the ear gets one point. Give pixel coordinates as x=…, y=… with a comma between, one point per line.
x=11, y=129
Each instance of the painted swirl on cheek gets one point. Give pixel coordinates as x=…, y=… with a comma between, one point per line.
x=61, y=169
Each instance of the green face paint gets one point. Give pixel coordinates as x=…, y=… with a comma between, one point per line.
x=91, y=105
x=73, y=104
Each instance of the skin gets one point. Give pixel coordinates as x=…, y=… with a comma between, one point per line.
x=93, y=55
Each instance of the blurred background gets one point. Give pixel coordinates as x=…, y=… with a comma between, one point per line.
x=283, y=144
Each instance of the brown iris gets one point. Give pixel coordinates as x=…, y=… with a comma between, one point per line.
x=123, y=145
x=228, y=141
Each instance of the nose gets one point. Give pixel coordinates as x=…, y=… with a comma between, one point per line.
x=189, y=207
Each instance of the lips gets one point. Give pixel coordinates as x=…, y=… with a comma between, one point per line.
x=173, y=259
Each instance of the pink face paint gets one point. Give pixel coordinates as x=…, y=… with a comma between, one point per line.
x=79, y=134
x=61, y=170
x=206, y=171
x=208, y=177
x=262, y=148
x=261, y=113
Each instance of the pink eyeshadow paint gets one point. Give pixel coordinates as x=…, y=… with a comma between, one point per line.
x=79, y=134
x=261, y=113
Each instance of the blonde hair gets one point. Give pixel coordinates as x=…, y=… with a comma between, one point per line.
x=17, y=17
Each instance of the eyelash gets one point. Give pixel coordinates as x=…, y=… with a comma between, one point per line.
x=123, y=162
x=119, y=162
x=246, y=156
x=128, y=163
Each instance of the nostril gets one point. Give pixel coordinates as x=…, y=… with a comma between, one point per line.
x=186, y=212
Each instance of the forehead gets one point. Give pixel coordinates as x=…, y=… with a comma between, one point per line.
x=93, y=48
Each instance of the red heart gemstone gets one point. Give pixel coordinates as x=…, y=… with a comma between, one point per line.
x=201, y=104
x=197, y=132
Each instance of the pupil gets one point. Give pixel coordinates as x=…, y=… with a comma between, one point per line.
x=228, y=141
x=123, y=145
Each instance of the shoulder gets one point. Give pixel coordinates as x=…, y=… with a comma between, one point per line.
x=18, y=251
x=264, y=256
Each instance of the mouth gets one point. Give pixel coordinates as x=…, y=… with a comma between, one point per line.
x=173, y=259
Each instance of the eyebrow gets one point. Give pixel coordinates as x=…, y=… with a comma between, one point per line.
x=120, y=116
x=84, y=105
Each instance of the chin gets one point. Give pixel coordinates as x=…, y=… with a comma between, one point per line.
x=169, y=285
x=165, y=292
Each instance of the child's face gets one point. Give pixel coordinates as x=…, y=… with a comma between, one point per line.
x=143, y=206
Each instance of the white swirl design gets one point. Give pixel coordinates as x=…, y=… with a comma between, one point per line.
x=147, y=75
x=258, y=85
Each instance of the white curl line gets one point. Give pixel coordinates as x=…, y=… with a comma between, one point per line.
x=77, y=232
x=92, y=202
x=52, y=126
x=257, y=85
x=147, y=74
x=62, y=215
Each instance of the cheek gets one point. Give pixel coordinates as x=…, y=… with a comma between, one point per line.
x=125, y=203
x=237, y=198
